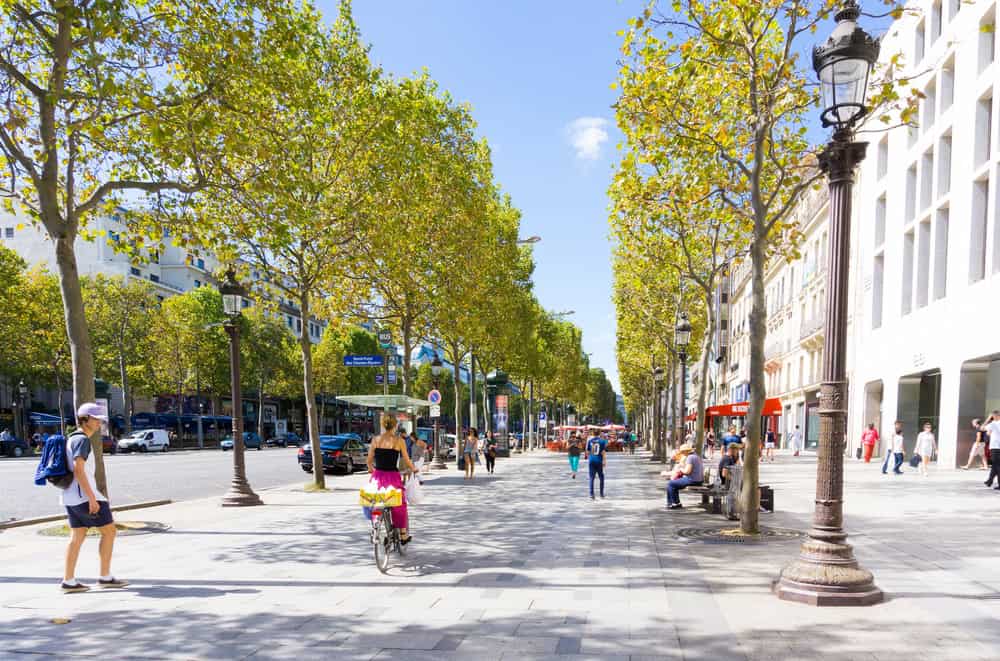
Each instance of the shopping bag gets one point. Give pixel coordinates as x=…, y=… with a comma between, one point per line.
x=371, y=495
x=414, y=492
x=915, y=460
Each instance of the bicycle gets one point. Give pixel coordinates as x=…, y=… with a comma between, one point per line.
x=385, y=537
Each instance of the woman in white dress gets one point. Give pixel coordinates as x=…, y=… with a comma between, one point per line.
x=926, y=447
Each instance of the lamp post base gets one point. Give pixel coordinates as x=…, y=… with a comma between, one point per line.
x=826, y=574
x=240, y=495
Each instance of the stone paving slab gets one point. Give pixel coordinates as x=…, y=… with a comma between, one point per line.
x=509, y=579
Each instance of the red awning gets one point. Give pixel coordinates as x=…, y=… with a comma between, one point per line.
x=772, y=406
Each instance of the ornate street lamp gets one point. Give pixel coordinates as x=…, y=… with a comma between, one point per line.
x=240, y=494
x=436, y=368
x=826, y=572
x=658, y=453
x=22, y=416
x=682, y=336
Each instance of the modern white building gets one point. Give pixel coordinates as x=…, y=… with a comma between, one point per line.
x=927, y=240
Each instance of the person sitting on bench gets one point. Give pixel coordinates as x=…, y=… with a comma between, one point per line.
x=690, y=472
x=731, y=458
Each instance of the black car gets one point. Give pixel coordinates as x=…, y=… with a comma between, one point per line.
x=284, y=440
x=339, y=453
x=14, y=448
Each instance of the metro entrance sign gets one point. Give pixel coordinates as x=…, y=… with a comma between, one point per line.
x=385, y=339
x=364, y=361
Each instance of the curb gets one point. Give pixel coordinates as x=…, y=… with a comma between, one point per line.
x=56, y=517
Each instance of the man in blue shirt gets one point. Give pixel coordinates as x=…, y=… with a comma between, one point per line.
x=731, y=437
x=596, y=454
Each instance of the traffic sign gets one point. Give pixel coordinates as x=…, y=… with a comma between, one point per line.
x=385, y=338
x=434, y=397
x=541, y=416
x=435, y=411
x=364, y=361
x=392, y=378
x=379, y=379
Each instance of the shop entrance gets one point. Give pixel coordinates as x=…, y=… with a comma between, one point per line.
x=919, y=401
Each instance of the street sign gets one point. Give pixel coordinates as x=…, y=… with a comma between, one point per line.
x=434, y=397
x=379, y=379
x=392, y=378
x=385, y=338
x=435, y=411
x=364, y=361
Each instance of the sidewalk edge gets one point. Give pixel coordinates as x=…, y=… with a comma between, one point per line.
x=56, y=517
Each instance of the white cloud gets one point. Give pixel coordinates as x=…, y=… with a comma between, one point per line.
x=586, y=135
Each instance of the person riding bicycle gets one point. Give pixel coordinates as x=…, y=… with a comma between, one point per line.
x=385, y=454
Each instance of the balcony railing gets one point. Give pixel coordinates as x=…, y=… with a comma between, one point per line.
x=774, y=349
x=811, y=326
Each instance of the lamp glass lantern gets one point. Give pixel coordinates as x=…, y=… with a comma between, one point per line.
x=658, y=374
x=843, y=65
x=22, y=389
x=233, y=294
x=682, y=334
x=436, y=366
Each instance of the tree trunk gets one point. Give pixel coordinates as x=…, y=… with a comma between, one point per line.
x=312, y=425
x=59, y=403
x=750, y=498
x=456, y=364
x=126, y=392
x=407, y=330
x=78, y=335
x=699, y=424
x=260, y=409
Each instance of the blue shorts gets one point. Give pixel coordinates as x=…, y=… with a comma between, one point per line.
x=80, y=516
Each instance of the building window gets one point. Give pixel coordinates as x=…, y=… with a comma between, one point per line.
x=883, y=156
x=947, y=85
x=911, y=193
x=926, y=178
x=944, y=166
x=984, y=129
x=979, y=223
x=159, y=298
x=878, y=283
x=201, y=263
x=288, y=319
x=987, y=41
x=154, y=278
x=918, y=43
x=927, y=108
x=923, y=262
x=941, y=253
x=937, y=16
x=954, y=6
x=906, y=295
x=880, y=221
x=298, y=326
x=245, y=302
x=136, y=272
x=8, y=232
x=197, y=283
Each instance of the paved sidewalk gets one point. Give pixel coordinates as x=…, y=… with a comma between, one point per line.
x=521, y=565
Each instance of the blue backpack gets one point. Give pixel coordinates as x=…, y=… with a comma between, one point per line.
x=54, y=465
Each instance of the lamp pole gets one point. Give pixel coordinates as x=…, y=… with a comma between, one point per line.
x=436, y=368
x=657, y=418
x=22, y=418
x=240, y=494
x=682, y=336
x=826, y=572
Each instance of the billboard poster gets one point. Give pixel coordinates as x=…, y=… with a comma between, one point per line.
x=500, y=418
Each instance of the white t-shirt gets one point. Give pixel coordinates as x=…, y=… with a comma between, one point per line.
x=78, y=445
x=994, y=431
x=897, y=443
x=925, y=444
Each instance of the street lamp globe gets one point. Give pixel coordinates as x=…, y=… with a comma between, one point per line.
x=682, y=333
x=843, y=65
x=658, y=374
x=22, y=389
x=233, y=294
x=436, y=365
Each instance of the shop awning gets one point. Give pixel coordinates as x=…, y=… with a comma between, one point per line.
x=391, y=402
x=772, y=406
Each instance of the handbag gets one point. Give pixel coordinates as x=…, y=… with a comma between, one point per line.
x=915, y=460
x=461, y=462
x=414, y=492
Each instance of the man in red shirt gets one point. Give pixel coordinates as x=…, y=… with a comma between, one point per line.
x=869, y=438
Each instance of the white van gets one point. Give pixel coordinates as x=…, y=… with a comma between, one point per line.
x=145, y=440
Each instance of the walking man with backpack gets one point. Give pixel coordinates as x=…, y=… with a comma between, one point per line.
x=86, y=507
x=597, y=447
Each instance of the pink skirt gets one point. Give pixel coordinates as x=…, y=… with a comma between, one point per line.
x=400, y=515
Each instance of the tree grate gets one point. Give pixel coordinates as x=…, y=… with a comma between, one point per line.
x=733, y=536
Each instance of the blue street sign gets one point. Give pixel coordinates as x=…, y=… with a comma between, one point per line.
x=392, y=378
x=379, y=379
x=363, y=361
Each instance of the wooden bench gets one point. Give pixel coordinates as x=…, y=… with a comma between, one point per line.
x=718, y=498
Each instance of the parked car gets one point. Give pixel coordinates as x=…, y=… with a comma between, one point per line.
x=283, y=440
x=344, y=452
x=145, y=440
x=14, y=448
x=108, y=444
x=251, y=441
x=449, y=446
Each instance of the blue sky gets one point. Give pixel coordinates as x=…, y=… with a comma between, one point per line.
x=538, y=75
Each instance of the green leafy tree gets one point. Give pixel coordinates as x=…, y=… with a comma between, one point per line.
x=269, y=357
x=46, y=350
x=13, y=322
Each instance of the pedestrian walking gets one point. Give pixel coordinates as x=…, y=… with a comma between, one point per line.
x=770, y=442
x=978, y=448
x=470, y=450
x=418, y=454
x=894, y=452
x=710, y=444
x=574, y=452
x=925, y=448
x=731, y=437
x=86, y=507
x=868, y=439
x=796, y=441
x=490, y=453
x=992, y=427
x=597, y=453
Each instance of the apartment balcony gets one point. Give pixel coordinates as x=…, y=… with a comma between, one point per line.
x=772, y=354
x=812, y=331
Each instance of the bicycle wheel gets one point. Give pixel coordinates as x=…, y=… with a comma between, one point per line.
x=380, y=544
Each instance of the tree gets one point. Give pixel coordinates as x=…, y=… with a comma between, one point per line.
x=106, y=104
x=120, y=315
x=747, y=148
x=268, y=350
x=13, y=321
x=45, y=349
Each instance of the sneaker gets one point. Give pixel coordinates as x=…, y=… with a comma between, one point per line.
x=406, y=540
x=988, y=483
x=592, y=497
x=112, y=583
x=76, y=586
x=602, y=496
x=675, y=506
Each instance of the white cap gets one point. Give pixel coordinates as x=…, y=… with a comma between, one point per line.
x=92, y=410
